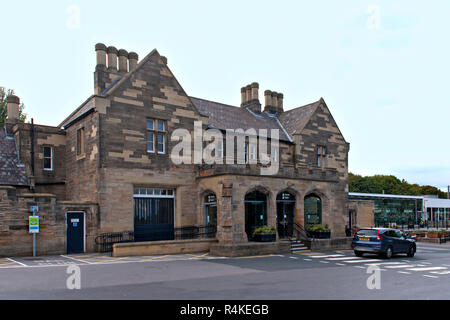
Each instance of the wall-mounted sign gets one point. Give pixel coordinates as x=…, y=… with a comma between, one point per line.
x=33, y=224
x=34, y=209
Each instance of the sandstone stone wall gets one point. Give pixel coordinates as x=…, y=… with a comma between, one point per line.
x=15, y=239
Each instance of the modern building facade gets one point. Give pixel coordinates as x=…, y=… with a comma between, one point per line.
x=109, y=166
x=403, y=210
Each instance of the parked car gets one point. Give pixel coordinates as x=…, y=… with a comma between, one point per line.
x=383, y=241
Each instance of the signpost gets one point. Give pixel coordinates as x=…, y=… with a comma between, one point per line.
x=33, y=222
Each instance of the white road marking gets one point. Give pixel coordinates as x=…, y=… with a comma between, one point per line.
x=344, y=258
x=293, y=258
x=361, y=261
x=360, y=267
x=340, y=264
x=383, y=263
x=323, y=261
x=307, y=259
x=404, y=272
x=88, y=262
x=426, y=275
x=401, y=266
x=427, y=269
x=441, y=272
x=328, y=256
x=12, y=260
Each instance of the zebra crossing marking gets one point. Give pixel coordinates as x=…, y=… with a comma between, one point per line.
x=427, y=269
x=328, y=256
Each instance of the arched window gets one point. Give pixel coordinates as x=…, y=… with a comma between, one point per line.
x=313, y=210
x=255, y=212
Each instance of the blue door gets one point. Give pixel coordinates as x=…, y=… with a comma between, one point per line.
x=75, y=232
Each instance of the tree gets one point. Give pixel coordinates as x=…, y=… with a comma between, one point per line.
x=389, y=185
x=4, y=93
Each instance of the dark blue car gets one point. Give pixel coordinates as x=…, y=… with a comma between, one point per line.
x=383, y=241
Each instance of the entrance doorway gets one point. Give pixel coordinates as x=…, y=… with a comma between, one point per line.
x=285, y=214
x=210, y=215
x=75, y=232
x=255, y=212
x=154, y=214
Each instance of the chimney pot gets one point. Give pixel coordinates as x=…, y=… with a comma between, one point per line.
x=248, y=93
x=112, y=57
x=275, y=99
x=243, y=96
x=100, y=49
x=255, y=91
x=123, y=61
x=12, y=108
x=133, y=60
x=280, y=102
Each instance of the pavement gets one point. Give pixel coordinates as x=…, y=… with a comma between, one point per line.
x=336, y=274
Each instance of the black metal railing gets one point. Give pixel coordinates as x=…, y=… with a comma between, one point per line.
x=105, y=241
x=195, y=232
x=300, y=232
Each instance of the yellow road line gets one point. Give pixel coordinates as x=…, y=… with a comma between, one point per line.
x=198, y=257
x=303, y=251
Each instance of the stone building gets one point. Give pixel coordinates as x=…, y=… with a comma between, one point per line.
x=110, y=161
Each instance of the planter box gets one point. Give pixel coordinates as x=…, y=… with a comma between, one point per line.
x=432, y=235
x=319, y=234
x=264, y=237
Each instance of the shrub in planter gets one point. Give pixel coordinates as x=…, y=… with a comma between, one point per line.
x=433, y=234
x=319, y=231
x=264, y=234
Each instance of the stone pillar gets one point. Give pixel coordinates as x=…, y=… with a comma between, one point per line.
x=225, y=215
x=123, y=61
x=112, y=58
x=133, y=60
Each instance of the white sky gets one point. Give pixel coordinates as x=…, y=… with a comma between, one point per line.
x=381, y=66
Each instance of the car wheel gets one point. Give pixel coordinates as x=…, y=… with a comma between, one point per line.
x=411, y=251
x=358, y=253
x=388, y=253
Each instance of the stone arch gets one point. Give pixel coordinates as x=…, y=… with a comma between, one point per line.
x=256, y=209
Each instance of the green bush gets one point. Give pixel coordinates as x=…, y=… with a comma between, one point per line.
x=319, y=228
x=264, y=230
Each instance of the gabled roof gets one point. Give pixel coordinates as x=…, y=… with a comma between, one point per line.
x=12, y=172
x=223, y=116
x=296, y=119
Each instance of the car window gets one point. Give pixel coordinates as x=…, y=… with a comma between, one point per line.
x=367, y=232
x=389, y=233
x=398, y=234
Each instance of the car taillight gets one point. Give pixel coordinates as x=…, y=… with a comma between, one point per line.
x=379, y=237
x=356, y=233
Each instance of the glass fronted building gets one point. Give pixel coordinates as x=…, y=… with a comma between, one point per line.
x=407, y=211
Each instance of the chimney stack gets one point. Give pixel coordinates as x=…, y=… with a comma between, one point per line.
x=112, y=58
x=250, y=97
x=110, y=64
x=123, y=61
x=12, y=109
x=274, y=102
x=133, y=60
